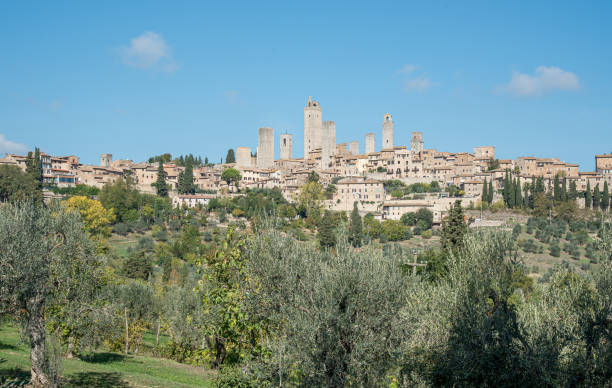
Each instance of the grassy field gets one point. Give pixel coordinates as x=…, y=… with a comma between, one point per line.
x=101, y=369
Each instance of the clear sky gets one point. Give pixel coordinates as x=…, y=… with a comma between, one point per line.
x=137, y=79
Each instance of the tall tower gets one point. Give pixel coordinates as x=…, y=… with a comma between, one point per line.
x=243, y=156
x=416, y=144
x=328, y=148
x=265, y=148
x=387, y=132
x=312, y=126
x=354, y=147
x=286, y=146
x=370, y=145
x=106, y=160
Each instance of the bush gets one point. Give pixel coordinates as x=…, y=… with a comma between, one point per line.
x=426, y=234
x=555, y=250
x=497, y=206
x=233, y=377
x=121, y=229
x=408, y=219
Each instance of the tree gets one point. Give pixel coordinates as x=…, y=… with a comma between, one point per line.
x=518, y=199
x=95, y=217
x=564, y=189
x=557, y=189
x=493, y=164
x=605, y=198
x=408, y=219
x=310, y=199
x=454, y=228
x=122, y=197
x=356, y=227
x=188, y=185
x=133, y=301
x=231, y=175
x=313, y=177
x=596, y=197
x=485, y=192
x=434, y=187
x=45, y=255
x=15, y=185
x=333, y=321
x=490, y=192
x=573, y=191
x=326, y=231
x=34, y=166
x=230, y=157
x=426, y=216
x=160, y=184
x=588, y=198
x=393, y=230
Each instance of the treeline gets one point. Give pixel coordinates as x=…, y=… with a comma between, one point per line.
x=181, y=160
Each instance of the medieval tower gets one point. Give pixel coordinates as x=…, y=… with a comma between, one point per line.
x=106, y=160
x=265, y=148
x=370, y=145
x=328, y=148
x=286, y=146
x=354, y=147
x=416, y=144
x=312, y=126
x=243, y=156
x=387, y=132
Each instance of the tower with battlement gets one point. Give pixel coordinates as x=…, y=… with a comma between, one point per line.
x=106, y=160
x=312, y=126
x=387, y=132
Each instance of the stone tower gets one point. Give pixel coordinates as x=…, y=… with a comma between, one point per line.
x=328, y=148
x=354, y=147
x=286, y=146
x=265, y=148
x=370, y=145
x=416, y=144
x=387, y=132
x=312, y=126
x=243, y=157
x=106, y=160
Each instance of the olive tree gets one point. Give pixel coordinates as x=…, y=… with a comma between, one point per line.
x=330, y=316
x=45, y=259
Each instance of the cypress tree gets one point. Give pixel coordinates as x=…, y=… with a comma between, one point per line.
x=160, y=183
x=588, y=199
x=596, y=197
x=564, y=190
x=327, y=236
x=454, y=228
x=490, y=199
x=230, y=157
x=557, y=189
x=181, y=183
x=356, y=227
x=485, y=192
x=573, y=191
x=206, y=160
x=512, y=196
x=506, y=192
x=517, y=193
x=34, y=166
x=188, y=179
x=605, y=198
x=540, y=185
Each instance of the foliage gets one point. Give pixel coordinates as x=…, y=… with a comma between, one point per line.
x=310, y=199
x=231, y=175
x=454, y=228
x=331, y=317
x=46, y=260
x=95, y=217
x=230, y=157
x=326, y=231
x=394, y=230
x=356, y=227
x=160, y=184
x=16, y=185
x=80, y=189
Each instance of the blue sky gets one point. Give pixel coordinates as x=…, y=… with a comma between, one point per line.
x=137, y=79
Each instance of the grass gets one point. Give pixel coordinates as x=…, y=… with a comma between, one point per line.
x=100, y=369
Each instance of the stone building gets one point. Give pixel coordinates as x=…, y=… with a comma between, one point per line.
x=416, y=143
x=243, y=156
x=370, y=143
x=312, y=126
x=286, y=146
x=265, y=148
x=484, y=152
x=354, y=147
x=387, y=132
x=106, y=160
x=328, y=148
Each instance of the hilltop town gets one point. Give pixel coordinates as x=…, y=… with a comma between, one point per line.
x=356, y=177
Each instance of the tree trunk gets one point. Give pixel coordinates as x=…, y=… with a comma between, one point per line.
x=157, y=334
x=127, y=332
x=70, y=347
x=38, y=355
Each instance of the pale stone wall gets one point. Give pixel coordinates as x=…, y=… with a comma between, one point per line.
x=106, y=160
x=370, y=143
x=416, y=143
x=265, y=148
x=312, y=126
x=484, y=152
x=354, y=147
x=286, y=146
x=243, y=156
x=387, y=132
x=329, y=143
